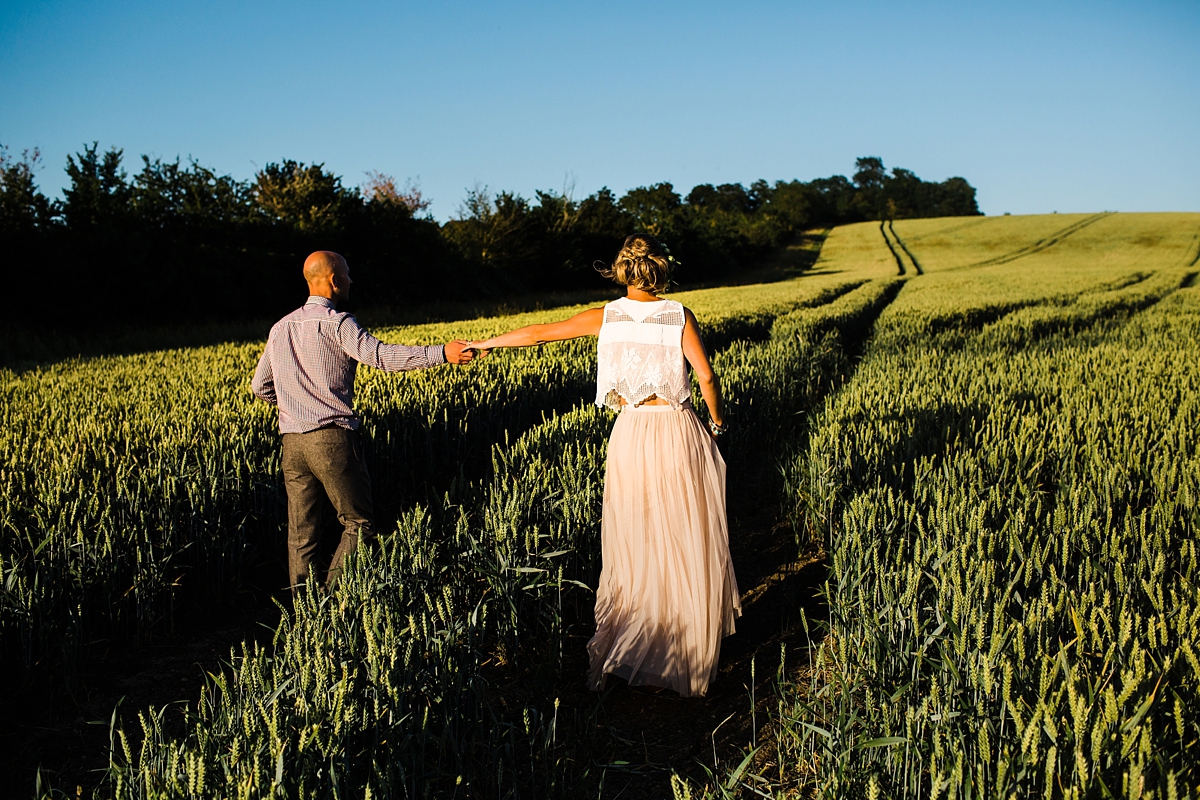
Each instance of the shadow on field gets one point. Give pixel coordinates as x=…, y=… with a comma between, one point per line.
x=66, y=733
x=27, y=349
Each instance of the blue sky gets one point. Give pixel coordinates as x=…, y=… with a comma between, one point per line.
x=1042, y=106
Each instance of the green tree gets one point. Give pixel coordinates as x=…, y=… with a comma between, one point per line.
x=167, y=195
x=655, y=209
x=305, y=197
x=495, y=233
x=98, y=199
x=600, y=227
x=382, y=189
x=869, y=177
x=792, y=203
x=958, y=199
x=602, y=218
x=23, y=209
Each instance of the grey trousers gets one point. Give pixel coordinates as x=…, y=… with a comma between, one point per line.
x=325, y=463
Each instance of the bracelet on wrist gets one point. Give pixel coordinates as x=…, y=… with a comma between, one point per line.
x=716, y=429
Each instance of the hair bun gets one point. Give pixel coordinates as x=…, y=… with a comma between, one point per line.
x=643, y=263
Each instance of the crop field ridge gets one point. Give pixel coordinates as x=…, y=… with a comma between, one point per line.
x=1107, y=298
x=1024, y=324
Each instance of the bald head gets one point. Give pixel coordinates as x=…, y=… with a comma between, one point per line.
x=322, y=264
x=327, y=275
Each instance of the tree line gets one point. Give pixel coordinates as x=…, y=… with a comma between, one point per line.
x=180, y=242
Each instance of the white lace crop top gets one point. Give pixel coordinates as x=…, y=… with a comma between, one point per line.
x=640, y=353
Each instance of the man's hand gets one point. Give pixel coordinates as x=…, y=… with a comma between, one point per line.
x=458, y=352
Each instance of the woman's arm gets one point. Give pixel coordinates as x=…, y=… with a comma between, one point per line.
x=693, y=350
x=585, y=324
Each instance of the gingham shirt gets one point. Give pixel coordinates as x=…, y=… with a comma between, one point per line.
x=307, y=369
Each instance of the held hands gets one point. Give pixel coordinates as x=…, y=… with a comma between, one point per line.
x=475, y=346
x=459, y=352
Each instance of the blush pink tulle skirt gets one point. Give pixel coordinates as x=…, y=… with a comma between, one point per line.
x=667, y=593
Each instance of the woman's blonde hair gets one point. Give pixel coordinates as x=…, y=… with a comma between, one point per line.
x=643, y=263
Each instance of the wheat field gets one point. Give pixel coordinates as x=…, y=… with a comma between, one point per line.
x=986, y=428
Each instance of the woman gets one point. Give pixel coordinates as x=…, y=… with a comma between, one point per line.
x=667, y=592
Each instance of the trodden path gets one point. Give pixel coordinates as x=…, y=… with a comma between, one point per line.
x=648, y=736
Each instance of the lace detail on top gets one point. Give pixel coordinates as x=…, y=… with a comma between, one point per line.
x=668, y=316
x=616, y=315
x=640, y=354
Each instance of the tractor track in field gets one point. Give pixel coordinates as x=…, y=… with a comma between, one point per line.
x=953, y=228
x=891, y=248
x=1040, y=244
x=884, y=228
x=916, y=264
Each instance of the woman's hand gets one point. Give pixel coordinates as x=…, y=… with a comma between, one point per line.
x=478, y=346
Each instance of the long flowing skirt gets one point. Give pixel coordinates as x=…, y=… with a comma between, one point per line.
x=667, y=593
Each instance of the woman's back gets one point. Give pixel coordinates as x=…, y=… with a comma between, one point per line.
x=640, y=354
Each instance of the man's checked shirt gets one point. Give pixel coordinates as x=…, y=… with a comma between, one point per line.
x=308, y=367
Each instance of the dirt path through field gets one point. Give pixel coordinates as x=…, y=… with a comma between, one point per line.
x=649, y=736
x=892, y=248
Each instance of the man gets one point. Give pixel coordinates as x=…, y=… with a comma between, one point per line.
x=307, y=371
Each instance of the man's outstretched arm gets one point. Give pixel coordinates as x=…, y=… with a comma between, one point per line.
x=366, y=349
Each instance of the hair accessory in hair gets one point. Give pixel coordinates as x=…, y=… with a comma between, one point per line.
x=674, y=262
x=666, y=250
